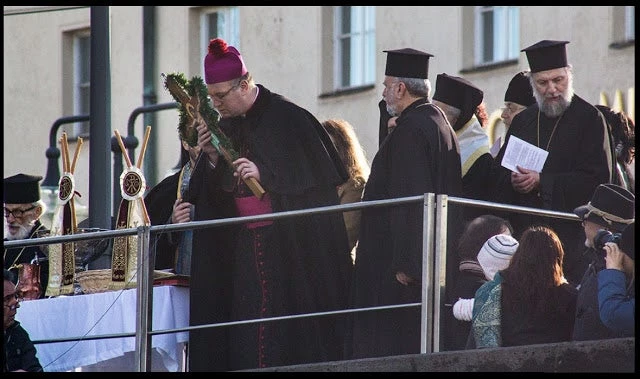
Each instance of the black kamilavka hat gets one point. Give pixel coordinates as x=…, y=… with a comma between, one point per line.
x=460, y=93
x=407, y=63
x=22, y=189
x=519, y=90
x=457, y=92
x=546, y=55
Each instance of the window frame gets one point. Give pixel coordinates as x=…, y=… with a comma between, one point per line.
x=361, y=38
x=81, y=94
x=505, y=34
x=629, y=23
x=228, y=29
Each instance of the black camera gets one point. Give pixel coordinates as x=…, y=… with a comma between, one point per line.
x=604, y=236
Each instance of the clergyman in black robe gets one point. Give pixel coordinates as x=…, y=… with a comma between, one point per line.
x=420, y=156
x=580, y=157
x=279, y=267
x=23, y=209
x=286, y=266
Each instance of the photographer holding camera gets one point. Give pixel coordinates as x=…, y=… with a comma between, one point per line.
x=616, y=284
x=610, y=211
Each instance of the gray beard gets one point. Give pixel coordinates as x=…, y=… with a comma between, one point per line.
x=391, y=111
x=554, y=110
x=23, y=233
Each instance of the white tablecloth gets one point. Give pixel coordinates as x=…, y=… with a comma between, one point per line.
x=103, y=313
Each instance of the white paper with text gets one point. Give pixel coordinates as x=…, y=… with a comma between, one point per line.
x=523, y=154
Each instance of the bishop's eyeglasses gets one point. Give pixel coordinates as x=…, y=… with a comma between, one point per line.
x=221, y=96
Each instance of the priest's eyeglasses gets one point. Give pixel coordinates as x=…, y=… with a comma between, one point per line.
x=17, y=213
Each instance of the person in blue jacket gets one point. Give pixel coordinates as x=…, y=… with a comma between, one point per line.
x=616, y=285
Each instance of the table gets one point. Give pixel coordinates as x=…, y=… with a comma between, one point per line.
x=104, y=313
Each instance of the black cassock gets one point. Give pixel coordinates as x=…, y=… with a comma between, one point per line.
x=421, y=155
x=290, y=266
x=580, y=158
x=475, y=185
x=159, y=202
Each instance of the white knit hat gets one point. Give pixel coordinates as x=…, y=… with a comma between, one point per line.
x=496, y=254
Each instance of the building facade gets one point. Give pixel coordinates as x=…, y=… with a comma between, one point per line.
x=328, y=59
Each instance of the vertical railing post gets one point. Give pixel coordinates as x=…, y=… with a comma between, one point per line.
x=426, y=323
x=440, y=267
x=144, y=308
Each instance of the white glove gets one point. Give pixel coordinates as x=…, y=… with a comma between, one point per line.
x=463, y=309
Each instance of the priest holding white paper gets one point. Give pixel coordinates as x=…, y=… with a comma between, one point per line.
x=579, y=154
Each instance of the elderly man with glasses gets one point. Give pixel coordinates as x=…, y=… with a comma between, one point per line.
x=20, y=353
x=22, y=211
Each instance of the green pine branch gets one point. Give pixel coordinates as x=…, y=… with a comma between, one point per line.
x=196, y=87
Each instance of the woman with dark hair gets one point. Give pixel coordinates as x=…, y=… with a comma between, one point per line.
x=529, y=302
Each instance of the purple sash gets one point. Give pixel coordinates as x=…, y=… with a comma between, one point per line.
x=252, y=206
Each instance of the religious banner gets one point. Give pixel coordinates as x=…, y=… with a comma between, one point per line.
x=132, y=213
x=62, y=256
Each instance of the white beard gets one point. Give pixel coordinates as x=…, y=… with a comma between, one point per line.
x=22, y=233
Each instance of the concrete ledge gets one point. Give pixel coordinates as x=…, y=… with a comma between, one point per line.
x=613, y=355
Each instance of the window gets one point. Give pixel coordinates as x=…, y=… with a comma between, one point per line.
x=623, y=28
x=219, y=23
x=630, y=23
x=498, y=34
x=354, y=46
x=81, y=82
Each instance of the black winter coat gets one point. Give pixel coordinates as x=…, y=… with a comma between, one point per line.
x=20, y=353
x=587, y=325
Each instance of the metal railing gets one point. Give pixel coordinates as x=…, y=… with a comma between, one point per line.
x=434, y=237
